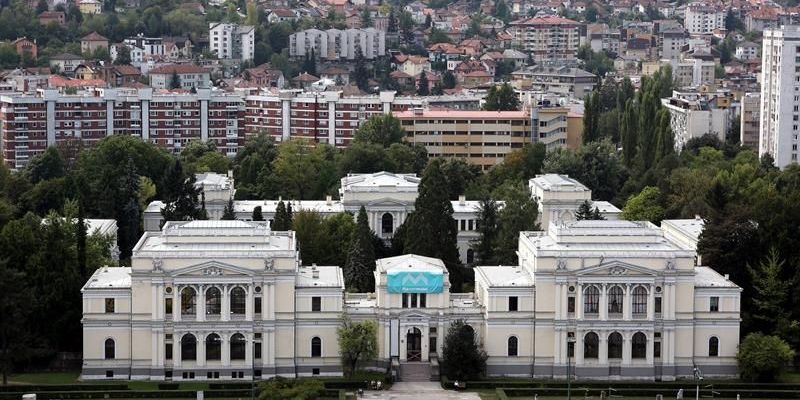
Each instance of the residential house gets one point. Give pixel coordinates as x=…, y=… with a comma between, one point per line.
x=265, y=76
x=93, y=41
x=339, y=75
x=90, y=6
x=304, y=80
x=232, y=41
x=747, y=51
x=414, y=65
x=26, y=48
x=52, y=17
x=121, y=75
x=281, y=15
x=88, y=71
x=189, y=76
x=177, y=48
x=136, y=53
x=65, y=63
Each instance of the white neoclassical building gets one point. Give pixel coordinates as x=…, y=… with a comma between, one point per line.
x=388, y=199
x=222, y=300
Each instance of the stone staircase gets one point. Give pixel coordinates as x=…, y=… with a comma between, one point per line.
x=415, y=372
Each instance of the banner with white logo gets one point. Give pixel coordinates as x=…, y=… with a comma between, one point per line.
x=415, y=281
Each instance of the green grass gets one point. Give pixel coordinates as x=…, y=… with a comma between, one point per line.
x=45, y=378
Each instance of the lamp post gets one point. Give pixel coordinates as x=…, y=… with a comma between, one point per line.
x=698, y=377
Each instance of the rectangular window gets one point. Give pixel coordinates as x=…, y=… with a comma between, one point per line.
x=168, y=306
x=257, y=351
x=316, y=304
x=513, y=303
x=463, y=224
x=168, y=351
x=657, y=305
x=257, y=306
x=714, y=304
x=570, y=304
x=413, y=300
x=109, y=374
x=110, y=305
x=405, y=300
x=656, y=349
x=422, y=300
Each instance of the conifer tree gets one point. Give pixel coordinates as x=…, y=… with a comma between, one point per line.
x=770, y=310
x=181, y=197
x=228, y=213
x=360, y=257
x=584, y=211
x=281, y=220
x=487, y=229
x=257, y=214
x=423, y=87
x=665, y=142
x=431, y=230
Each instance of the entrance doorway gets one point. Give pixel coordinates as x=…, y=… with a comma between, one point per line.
x=414, y=345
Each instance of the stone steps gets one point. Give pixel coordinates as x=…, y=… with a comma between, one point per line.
x=415, y=372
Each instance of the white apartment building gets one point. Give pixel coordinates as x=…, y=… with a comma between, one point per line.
x=746, y=51
x=693, y=115
x=703, y=19
x=336, y=44
x=780, y=94
x=232, y=41
x=671, y=43
x=548, y=39
x=230, y=300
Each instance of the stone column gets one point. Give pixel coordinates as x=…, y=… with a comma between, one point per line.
x=626, y=348
x=626, y=303
x=650, y=345
x=250, y=300
x=271, y=304
x=225, y=314
x=604, y=302
x=578, y=348
x=651, y=301
x=159, y=302
x=248, y=349
x=579, y=305
x=559, y=301
x=603, y=350
x=226, y=349
x=176, y=303
x=200, y=306
x=154, y=297
x=176, y=350
x=201, y=349
x=155, y=356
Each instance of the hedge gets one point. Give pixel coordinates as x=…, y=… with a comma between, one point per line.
x=63, y=388
x=505, y=393
x=169, y=386
x=600, y=385
x=131, y=394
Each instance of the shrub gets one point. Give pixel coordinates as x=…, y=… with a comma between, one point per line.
x=762, y=358
x=297, y=389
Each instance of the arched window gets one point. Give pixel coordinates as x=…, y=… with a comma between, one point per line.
x=639, y=305
x=615, y=345
x=188, y=347
x=513, y=346
x=387, y=223
x=237, y=347
x=639, y=345
x=188, y=300
x=213, y=301
x=470, y=256
x=316, y=347
x=590, y=345
x=615, y=299
x=213, y=347
x=713, y=347
x=110, y=349
x=591, y=300
x=238, y=300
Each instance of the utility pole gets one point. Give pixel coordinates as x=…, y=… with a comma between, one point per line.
x=570, y=345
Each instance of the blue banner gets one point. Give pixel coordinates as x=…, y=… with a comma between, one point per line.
x=414, y=281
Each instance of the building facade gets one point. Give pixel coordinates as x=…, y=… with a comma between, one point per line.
x=780, y=101
x=693, y=115
x=229, y=300
x=337, y=44
x=188, y=76
x=548, y=39
x=703, y=19
x=750, y=114
x=232, y=41
x=31, y=123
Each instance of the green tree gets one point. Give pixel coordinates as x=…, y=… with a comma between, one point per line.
x=360, y=74
x=281, y=221
x=382, y=129
x=358, y=343
x=770, y=311
x=462, y=358
x=366, y=18
x=257, y=214
x=180, y=196
x=280, y=388
x=517, y=215
x=591, y=117
x=253, y=167
x=431, y=230
x=448, y=80
x=665, y=140
x=228, y=213
x=423, y=86
x=46, y=166
x=645, y=206
x=14, y=337
x=175, y=81
x=309, y=227
x=501, y=11
x=437, y=36
x=502, y=99
x=302, y=170
x=360, y=265
x=487, y=220
x=763, y=358
x=585, y=211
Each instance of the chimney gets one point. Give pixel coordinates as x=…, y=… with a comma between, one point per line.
x=328, y=200
x=462, y=199
x=727, y=277
x=314, y=271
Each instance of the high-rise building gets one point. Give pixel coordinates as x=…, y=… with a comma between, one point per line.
x=336, y=44
x=232, y=41
x=780, y=94
x=748, y=132
x=703, y=18
x=549, y=39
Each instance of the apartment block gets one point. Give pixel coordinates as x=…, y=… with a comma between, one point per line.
x=336, y=44
x=693, y=115
x=780, y=94
x=31, y=123
x=703, y=19
x=750, y=120
x=232, y=41
x=480, y=137
x=548, y=39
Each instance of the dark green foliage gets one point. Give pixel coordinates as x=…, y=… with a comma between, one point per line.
x=770, y=295
x=48, y=165
x=597, y=165
x=423, y=85
x=281, y=221
x=360, y=265
x=360, y=74
x=462, y=359
x=383, y=129
x=280, y=388
x=598, y=63
x=430, y=229
x=585, y=212
x=502, y=99
x=518, y=214
x=591, y=117
x=228, y=213
x=181, y=197
x=15, y=340
x=448, y=80
x=487, y=229
x=762, y=358
x=257, y=214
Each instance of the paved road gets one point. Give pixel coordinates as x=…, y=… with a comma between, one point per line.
x=420, y=391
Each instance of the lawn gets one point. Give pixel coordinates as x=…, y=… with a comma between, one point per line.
x=45, y=378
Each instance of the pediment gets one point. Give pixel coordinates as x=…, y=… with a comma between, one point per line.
x=210, y=269
x=388, y=202
x=616, y=268
x=414, y=315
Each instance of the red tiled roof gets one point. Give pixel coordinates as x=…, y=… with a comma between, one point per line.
x=546, y=20
x=127, y=70
x=94, y=37
x=305, y=77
